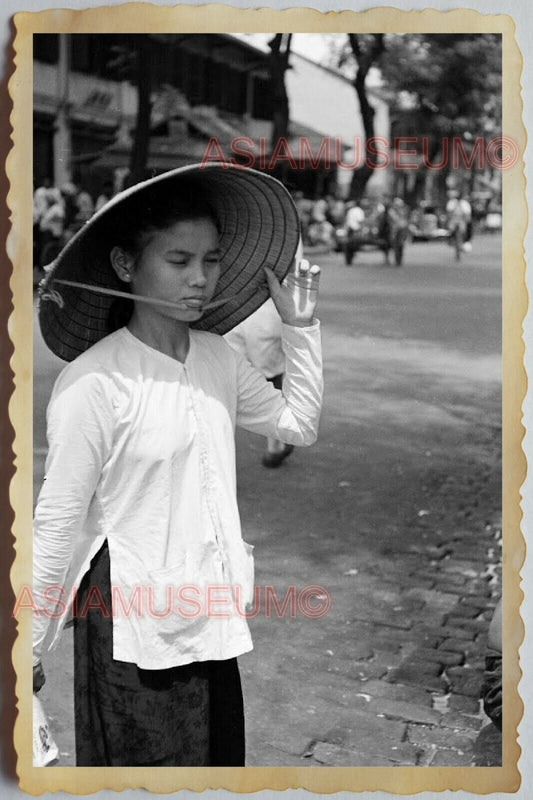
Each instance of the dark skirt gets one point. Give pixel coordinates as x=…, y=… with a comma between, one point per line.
x=187, y=716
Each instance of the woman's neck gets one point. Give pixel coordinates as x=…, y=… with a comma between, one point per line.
x=167, y=335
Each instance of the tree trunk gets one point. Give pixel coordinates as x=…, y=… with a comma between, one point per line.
x=141, y=141
x=280, y=47
x=365, y=59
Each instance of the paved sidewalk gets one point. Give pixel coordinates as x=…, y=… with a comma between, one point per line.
x=394, y=677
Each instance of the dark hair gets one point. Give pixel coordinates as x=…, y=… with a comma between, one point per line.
x=138, y=219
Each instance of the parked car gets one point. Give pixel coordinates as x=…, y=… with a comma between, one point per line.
x=425, y=225
x=384, y=228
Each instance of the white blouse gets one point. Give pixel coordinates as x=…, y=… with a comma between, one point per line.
x=142, y=453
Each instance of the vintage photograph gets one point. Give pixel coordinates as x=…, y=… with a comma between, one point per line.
x=358, y=173
x=276, y=431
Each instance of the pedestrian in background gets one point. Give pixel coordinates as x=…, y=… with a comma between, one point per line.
x=459, y=216
x=140, y=489
x=105, y=195
x=52, y=226
x=355, y=216
x=259, y=339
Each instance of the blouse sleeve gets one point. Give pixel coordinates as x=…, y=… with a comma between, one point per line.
x=292, y=415
x=79, y=432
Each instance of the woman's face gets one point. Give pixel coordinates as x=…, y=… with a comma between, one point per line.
x=181, y=264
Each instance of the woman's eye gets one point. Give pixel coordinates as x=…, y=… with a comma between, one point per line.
x=212, y=262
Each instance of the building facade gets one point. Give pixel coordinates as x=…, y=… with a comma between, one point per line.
x=211, y=96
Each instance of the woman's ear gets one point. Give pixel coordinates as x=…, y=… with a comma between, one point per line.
x=122, y=263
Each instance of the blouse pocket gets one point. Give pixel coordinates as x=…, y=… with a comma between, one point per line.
x=178, y=594
x=241, y=568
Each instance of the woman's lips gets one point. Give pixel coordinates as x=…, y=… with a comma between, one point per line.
x=194, y=302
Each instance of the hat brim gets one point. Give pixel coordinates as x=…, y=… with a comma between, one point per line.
x=259, y=227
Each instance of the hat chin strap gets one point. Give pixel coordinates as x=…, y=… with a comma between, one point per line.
x=55, y=296
x=52, y=294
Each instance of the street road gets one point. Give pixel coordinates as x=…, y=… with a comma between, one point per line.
x=395, y=512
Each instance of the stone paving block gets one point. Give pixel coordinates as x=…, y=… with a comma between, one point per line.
x=368, y=670
x=464, y=568
x=463, y=589
x=275, y=757
x=357, y=727
x=384, y=642
x=449, y=580
x=419, y=667
x=451, y=758
x=472, y=625
x=468, y=554
x=468, y=534
x=398, y=709
x=461, y=702
x=413, y=676
x=426, y=582
x=433, y=597
x=424, y=633
x=469, y=685
x=293, y=739
x=396, y=691
x=380, y=616
x=439, y=656
x=464, y=612
x=423, y=736
x=475, y=661
x=435, y=551
x=334, y=756
x=425, y=639
x=476, y=601
x=462, y=722
x=388, y=659
x=370, y=633
x=461, y=672
x=355, y=651
x=466, y=646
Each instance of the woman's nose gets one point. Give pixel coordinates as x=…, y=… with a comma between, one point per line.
x=198, y=275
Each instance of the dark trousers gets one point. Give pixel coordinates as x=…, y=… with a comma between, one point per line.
x=189, y=715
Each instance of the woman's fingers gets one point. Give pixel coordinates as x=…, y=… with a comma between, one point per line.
x=296, y=296
x=302, y=267
x=273, y=283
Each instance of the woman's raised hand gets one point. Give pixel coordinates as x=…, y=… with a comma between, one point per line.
x=296, y=297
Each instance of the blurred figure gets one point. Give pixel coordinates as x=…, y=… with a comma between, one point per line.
x=69, y=194
x=105, y=195
x=320, y=231
x=467, y=209
x=40, y=206
x=304, y=208
x=336, y=212
x=355, y=216
x=258, y=338
x=393, y=228
x=52, y=225
x=85, y=205
x=459, y=216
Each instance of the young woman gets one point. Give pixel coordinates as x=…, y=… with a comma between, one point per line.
x=138, y=509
